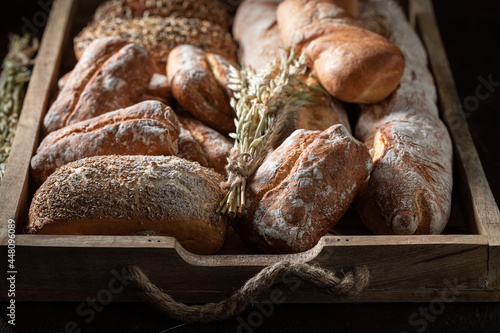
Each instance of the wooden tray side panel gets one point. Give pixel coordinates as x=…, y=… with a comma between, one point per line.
x=484, y=208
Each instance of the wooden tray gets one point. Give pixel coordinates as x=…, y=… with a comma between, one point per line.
x=464, y=260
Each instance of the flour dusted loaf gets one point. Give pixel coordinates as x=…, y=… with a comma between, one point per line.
x=208, y=10
x=159, y=35
x=127, y=195
x=352, y=63
x=256, y=30
x=112, y=74
x=409, y=190
x=146, y=128
x=199, y=82
x=302, y=189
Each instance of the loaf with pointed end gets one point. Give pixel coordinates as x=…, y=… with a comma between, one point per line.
x=128, y=195
x=409, y=190
x=355, y=65
x=208, y=10
x=146, y=128
x=199, y=81
x=112, y=74
x=302, y=189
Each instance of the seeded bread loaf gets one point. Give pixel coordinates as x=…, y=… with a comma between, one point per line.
x=146, y=128
x=159, y=35
x=302, y=189
x=113, y=73
x=127, y=195
x=208, y=10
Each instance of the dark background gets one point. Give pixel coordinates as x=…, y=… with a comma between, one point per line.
x=470, y=32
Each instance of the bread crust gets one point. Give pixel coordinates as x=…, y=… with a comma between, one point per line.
x=203, y=144
x=111, y=75
x=147, y=128
x=199, y=82
x=352, y=63
x=207, y=10
x=302, y=189
x=127, y=195
x=409, y=190
x=159, y=35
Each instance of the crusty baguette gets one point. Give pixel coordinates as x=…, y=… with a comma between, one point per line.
x=127, y=195
x=159, y=35
x=409, y=190
x=302, y=189
x=199, y=82
x=352, y=63
x=112, y=74
x=203, y=144
x=208, y=10
x=146, y=128
x=256, y=31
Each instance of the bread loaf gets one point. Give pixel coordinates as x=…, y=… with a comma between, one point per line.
x=207, y=10
x=199, y=82
x=302, y=189
x=146, y=128
x=352, y=63
x=112, y=74
x=159, y=35
x=256, y=31
x=127, y=195
x=203, y=144
x=409, y=190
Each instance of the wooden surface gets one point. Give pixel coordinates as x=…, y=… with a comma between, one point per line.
x=118, y=317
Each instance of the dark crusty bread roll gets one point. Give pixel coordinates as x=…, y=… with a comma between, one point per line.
x=127, y=195
x=146, y=128
x=159, y=35
x=409, y=190
x=199, y=82
x=208, y=10
x=200, y=143
x=352, y=63
x=302, y=189
x=256, y=30
x=112, y=74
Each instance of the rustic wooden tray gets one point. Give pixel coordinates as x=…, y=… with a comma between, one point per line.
x=464, y=260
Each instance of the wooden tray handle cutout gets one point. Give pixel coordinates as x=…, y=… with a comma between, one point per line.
x=347, y=283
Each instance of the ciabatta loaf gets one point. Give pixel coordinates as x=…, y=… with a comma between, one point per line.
x=112, y=74
x=127, y=195
x=409, y=190
x=146, y=128
x=302, y=189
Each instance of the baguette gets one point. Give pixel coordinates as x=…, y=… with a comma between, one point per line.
x=146, y=128
x=302, y=189
x=352, y=63
x=409, y=190
x=112, y=74
x=127, y=195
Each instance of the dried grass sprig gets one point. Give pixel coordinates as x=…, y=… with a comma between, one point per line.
x=15, y=74
x=264, y=102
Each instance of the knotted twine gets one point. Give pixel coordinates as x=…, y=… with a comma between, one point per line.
x=350, y=283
